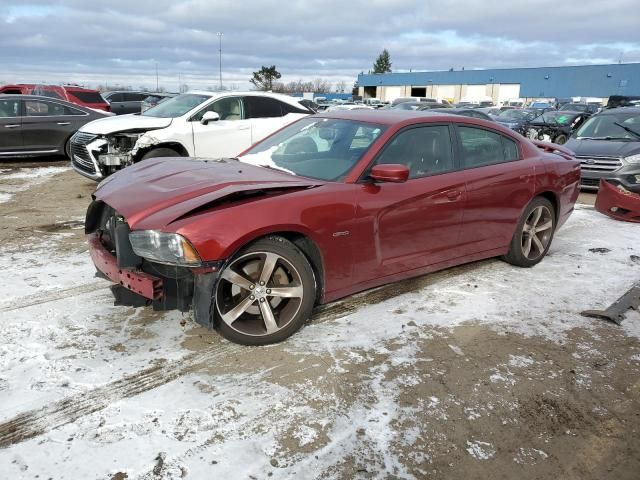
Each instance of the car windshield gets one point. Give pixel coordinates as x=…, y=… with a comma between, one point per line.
x=322, y=148
x=556, y=118
x=515, y=115
x=618, y=126
x=574, y=107
x=176, y=106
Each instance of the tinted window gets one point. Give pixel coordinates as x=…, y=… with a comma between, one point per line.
x=263, y=107
x=9, y=108
x=483, y=147
x=115, y=97
x=87, y=96
x=36, y=108
x=424, y=150
x=286, y=108
x=134, y=97
x=229, y=108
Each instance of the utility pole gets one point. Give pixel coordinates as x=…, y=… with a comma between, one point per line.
x=157, y=84
x=220, y=34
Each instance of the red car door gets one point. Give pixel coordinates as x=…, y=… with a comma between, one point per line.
x=499, y=184
x=405, y=226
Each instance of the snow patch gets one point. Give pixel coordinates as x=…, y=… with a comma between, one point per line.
x=480, y=450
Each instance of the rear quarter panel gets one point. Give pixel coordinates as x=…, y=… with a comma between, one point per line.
x=562, y=177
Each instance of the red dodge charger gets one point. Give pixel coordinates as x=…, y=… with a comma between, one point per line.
x=328, y=206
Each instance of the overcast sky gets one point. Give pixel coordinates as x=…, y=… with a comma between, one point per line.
x=121, y=41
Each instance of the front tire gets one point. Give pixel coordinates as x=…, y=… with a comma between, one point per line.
x=560, y=139
x=534, y=233
x=265, y=294
x=160, y=152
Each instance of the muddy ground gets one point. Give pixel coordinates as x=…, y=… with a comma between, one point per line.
x=116, y=393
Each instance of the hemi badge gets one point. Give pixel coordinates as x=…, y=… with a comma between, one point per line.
x=341, y=234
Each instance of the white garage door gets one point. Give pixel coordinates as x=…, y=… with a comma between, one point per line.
x=509, y=91
x=391, y=93
x=446, y=91
x=476, y=92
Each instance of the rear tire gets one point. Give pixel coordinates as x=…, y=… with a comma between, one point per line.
x=160, y=152
x=533, y=235
x=265, y=294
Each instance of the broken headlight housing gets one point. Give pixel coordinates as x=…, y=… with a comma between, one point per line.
x=168, y=248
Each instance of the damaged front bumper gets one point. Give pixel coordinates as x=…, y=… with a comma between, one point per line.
x=617, y=202
x=97, y=156
x=140, y=282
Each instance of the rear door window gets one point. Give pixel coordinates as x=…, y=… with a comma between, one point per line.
x=481, y=147
x=263, y=107
x=37, y=108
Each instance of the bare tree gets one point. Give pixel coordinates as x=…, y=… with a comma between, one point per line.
x=341, y=86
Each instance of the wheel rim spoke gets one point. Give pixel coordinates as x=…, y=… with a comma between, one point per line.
x=268, y=266
x=267, y=316
x=545, y=226
x=538, y=243
x=537, y=213
x=233, y=314
x=237, y=279
x=287, y=292
x=526, y=248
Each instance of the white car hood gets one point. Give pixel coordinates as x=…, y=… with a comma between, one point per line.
x=122, y=123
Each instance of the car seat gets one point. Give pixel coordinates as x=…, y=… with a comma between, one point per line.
x=301, y=145
x=233, y=111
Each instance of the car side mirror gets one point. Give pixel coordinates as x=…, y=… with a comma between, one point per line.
x=209, y=117
x=390, y=172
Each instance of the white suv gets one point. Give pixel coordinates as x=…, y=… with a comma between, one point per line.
x=194, y=124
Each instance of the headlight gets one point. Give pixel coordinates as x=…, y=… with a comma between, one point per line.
x=163, y=247
x=633, y=158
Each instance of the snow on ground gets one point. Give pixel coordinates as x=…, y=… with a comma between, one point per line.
x=25, y=178
x=236, y=419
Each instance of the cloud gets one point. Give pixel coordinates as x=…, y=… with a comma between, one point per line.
x=121, y=41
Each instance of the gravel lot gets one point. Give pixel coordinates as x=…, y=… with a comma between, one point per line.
x=480, y=371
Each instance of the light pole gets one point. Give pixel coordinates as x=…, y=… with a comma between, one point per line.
x=220, y=34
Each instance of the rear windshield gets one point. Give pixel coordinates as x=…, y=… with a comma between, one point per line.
x=87, y=96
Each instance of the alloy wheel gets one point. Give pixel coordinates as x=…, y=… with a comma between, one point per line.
x=536, y=232
x=259, y=293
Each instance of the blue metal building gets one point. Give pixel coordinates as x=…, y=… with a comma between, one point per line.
x=559, y=82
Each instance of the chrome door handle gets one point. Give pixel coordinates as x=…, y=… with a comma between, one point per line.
x=14, y=125
x=64, y=123
x=244, y=127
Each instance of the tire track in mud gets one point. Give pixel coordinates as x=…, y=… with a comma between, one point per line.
x=36, y=422
x=52, y=295
x=39, y=421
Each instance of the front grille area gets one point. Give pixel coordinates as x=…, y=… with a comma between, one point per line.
x=79, y=153
x=83, y=138
x=599, y=164
x=590, y=182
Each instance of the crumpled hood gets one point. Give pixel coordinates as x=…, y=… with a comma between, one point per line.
x=154, y=193
x=121, y=123
x=603, y=148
